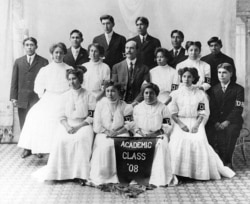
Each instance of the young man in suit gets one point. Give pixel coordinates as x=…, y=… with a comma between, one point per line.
x=226, y=107
x=130, y=73
x=178, y=52
x=113, y=43
x=76, y=55
x=24, y=73
x=145, y=42
x=215, y=58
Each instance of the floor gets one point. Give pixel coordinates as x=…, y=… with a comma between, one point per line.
x=17, y=186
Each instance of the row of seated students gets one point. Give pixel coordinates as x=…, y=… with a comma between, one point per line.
x=30, y=82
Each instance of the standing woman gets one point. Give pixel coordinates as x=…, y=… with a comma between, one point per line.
x=39, y=128
x=108, y=121
x=193, y=60
x=70, y=155
x=164, y=76
x=97, y=70
x=191, y=154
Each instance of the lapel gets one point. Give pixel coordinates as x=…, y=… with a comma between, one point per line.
x=124, y=73
x=35, y=61
x=136, y=70
x=147, y=42
x=71, y=57
x=112, y=41
x=80, y=54
x=25, y=63
x=103, y=39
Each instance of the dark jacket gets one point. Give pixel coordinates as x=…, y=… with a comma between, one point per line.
x=177, y=59
x=81, y=58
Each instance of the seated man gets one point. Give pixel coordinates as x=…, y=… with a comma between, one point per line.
x=226, y=107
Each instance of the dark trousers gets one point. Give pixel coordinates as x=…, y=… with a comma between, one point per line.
x=22, y=112
x=223, y=141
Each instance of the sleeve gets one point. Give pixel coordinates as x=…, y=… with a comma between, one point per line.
x=203, y=107
x=237, y=110
x=14, y=82
x=214, y=107
x=91, y=108
x=106, y=74
x=97, y=125
x=135, y=118
x=62, y=112
x=114, y=74
x=207, y=77
x=40, y=82
x=173, y=107
x=175, y=82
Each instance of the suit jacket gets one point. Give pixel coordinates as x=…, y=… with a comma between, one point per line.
x=177, y=59
x=147, y=49
x=214, y=61
x=81, y=58
x=23, y=77
x=120, y=75
x=228, y=105
x=114, y=51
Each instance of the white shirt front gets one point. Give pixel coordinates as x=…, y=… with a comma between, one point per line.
x=75, y=52
x=108, y=36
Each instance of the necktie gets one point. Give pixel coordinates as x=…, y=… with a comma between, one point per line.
x=224, y=89
x=29, y=60
x=131, y=70
x=175, y=53
x=143, y=39
x=76, y=54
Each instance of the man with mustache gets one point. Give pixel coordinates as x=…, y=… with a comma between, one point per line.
x=131, y=73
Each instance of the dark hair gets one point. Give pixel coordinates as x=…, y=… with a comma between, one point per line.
x=195, y=43
x=76, y=31
x=77, y=72
x=98, y=47
x=152, y=86
x=214, y=39
x=165, y=53
x=193, y=71
x=226, y=66
x=143, y=19
x=31, y=39
x=178, y=32
x=136, y=45
x=61, y=45
x=108, y=17
x=117, y=86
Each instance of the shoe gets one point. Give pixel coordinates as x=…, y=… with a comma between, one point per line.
x=39, y=156
x=26, y=153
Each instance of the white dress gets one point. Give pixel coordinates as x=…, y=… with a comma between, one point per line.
x=149, y=119
x=70, y=154
x=203, y=69
x=96, y=73
x=166, y=78
x=108, y=116
x=191, y=154
x=42, y=119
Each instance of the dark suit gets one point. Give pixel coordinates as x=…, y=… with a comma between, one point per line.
x=214, y=60
x=177, y=59
x=81, y=58
x=147, y=49
x=114, y=51
x=226, y=106
x=132, y=86
x=22, y=84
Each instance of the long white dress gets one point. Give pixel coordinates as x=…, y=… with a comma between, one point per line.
x=96, y=73
x=70, y=154
x=191, y=154
x=149, y=119
x=166, y=78
x=42, y=119
x=108, y=116
x=203, y=69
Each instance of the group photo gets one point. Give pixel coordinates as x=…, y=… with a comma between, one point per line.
x=124, y=102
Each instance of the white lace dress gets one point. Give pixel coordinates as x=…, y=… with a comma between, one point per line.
x=42, y=119
x=108, y=116
x=191, y=154
x=70, y=154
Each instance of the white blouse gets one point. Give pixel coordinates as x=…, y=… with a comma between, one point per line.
x=203, y=69
x=96, y=73
x=52, y=78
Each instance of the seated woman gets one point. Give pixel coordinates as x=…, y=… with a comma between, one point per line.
x=203, y=68
x=191, y=155
x=97, y=70
x=70, y=155
x=39, y=128
x=164, y=76
x=148, y=118
x=108, y=121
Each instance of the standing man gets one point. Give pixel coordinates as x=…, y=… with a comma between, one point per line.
x=226, y=107
x=76, y=55
x=113, y=43
x=215, y=58
x=146, y=43
x=178, y=52
x=130, y=73
x=23, y=76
